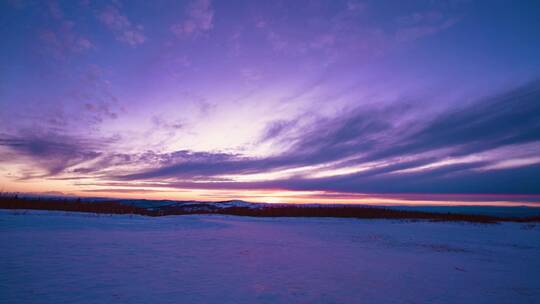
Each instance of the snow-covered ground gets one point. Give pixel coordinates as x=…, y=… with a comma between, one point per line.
x=58, y=257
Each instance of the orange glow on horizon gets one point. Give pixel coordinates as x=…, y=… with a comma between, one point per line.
x=277, y=196
x=304, y=197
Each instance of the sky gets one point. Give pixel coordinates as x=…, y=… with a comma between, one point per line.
x=405, y=102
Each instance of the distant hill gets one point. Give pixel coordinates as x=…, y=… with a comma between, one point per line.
x=243, y=208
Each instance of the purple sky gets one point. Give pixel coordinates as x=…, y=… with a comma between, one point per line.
x=272, y=100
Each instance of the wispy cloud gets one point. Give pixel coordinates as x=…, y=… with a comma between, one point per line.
x=52, y=153
x=199, y=19
x=356, y=6
x=64, y=40
x=61, y=38
x=387, y=159
x=276, y=129
x=489, y=146
x=124, y=30
x=422, y=24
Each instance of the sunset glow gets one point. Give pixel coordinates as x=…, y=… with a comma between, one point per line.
x=331, y=102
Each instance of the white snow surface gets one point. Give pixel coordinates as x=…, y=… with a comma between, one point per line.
x=61, y=257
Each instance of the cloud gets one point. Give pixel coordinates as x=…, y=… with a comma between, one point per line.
x=371, y=150
x=199, y=19
x=459, y=178
x=93, y=94
x=488, y=146
x=61, y=39
x=277, y=129
x=422, y=24
x=455, y=179
x=99, y=110
x=188, y=164
x=54, y=10
x=160, y=123
x=356, y=6
x=123, y=29
x=340, y=35
x=81, y=102
x=277, y=42
x=505, y=119
x=53, y=153
x=64, y=41
x=355, y=31
x=251, y=74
